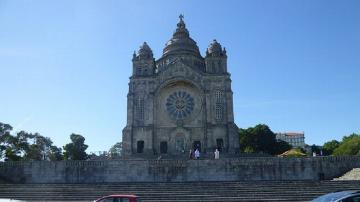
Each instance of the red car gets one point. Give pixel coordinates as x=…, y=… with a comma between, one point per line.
x=119, y=198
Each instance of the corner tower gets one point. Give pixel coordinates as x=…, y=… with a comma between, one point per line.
x=181, y=101
x=143, y=62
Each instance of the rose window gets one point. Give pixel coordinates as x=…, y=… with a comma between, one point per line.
x=179, y=104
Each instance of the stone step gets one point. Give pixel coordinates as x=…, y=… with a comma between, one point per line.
x=193, y=191
x=178, y=198
x=171, y=187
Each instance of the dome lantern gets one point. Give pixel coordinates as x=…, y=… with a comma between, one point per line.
x=181, y=42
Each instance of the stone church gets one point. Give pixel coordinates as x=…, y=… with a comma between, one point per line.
x=180, y=101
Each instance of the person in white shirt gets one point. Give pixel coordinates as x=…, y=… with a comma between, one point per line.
x=217, y=154
x=197, y=154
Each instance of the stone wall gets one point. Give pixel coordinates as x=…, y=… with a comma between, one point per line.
x=257, y=168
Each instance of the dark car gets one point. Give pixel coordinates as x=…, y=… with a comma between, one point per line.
x=342, y=196
x=119, y=198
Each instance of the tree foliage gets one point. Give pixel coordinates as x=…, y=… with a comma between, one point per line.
x=282, y=146
x=116, y=149
x=5, y=128
x=39, y=149
x=76, y=149
x=55, y=154
x=261, y=139
x=330, y=146
x=5, y=138
x=15, y=147
x=350, y=145
x=24, y=145
x=316, y=149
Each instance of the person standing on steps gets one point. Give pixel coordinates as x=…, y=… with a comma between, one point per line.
x=217, y=154
x=197, y=154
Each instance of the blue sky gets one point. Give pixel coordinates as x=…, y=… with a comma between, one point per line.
x=65, y=65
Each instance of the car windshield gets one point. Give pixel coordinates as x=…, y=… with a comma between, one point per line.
x=332, y=196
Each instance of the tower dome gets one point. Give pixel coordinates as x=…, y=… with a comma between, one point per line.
x=181, y=43
x=145, y=51
x=215, y=49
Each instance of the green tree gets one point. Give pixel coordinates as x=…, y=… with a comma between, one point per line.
x=350, y=145
x=39, y=149
x=316, y=149
x=281, y=147
x=261, y=139
x=26, y=146
x=248, y=149
x=12, y=155
x=22, y=141
x=14, y=147
x=346, y=138
x=5, y=130
x=76, y=149
x=55, y=153
x=330, y=146
x=116, y=149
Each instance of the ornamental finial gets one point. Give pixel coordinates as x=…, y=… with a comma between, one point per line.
x=181, y=23
x=181, y=16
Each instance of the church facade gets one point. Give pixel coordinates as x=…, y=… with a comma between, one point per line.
x=180, y=101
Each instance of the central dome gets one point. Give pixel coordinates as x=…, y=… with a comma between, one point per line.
x=181, y=43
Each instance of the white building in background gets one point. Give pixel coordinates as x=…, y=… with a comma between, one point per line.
x=294, y=138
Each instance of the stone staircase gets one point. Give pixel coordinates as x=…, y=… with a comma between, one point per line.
x=187, y=191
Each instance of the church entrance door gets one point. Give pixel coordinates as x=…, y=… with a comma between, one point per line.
x=197, y=145
x=220, y=144
x=163, y=147
x=180, y=143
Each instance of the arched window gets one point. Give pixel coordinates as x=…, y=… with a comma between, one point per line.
x=139, y=109
x=219, y=112
x=219, y=105
x=219, y=96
